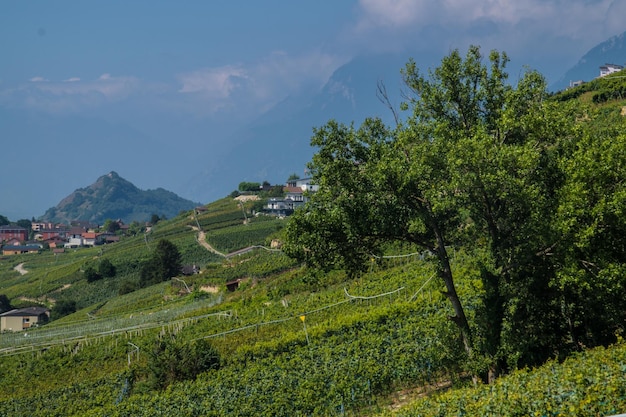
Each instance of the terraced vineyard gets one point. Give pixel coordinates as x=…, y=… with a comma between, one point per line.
x=257, y=333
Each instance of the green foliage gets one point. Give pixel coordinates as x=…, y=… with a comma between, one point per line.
x=91, y=274
x=5, y=303
x=106, y=268
x=584, y=385
x=25, y=223
x=164, y=264
x=592, y=222
x=127, y=286
x=221, y=219
x=4, y=220
x=63, y=308
x=275, y=191
x=172, y=361
x=111, y=226
x=103, y=269
x=249, y=186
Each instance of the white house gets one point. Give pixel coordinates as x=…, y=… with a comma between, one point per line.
x=607, y=69
x=304, y=184
x=75, y=237
x=295, y=196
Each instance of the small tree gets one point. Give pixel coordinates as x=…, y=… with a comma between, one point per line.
x=111, y=226
x=106, y=269
x=63, y=308
x=164, y=264
x=91, y=274
x=25, y=223
x=276, y=191
x=5, y=304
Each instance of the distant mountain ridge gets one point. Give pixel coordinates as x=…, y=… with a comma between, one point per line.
x=277, y=144
x=611, y=51
x=113, y=197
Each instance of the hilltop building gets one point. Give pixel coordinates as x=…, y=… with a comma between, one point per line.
x=296, y=194
x=607, y=69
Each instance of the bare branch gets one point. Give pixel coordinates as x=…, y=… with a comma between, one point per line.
x=381, y=93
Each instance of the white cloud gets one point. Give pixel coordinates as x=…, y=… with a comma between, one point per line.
x=394, y=13
x=567, y=18
x=243, y=89
x=69, y=95
x=258, y=85
x=217, y=83
x=410, y=12
x=549, y=35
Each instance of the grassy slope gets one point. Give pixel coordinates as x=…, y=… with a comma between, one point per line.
x=355, y=357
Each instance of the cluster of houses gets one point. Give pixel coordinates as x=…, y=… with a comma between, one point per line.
x=296, y=194
x=15, y=239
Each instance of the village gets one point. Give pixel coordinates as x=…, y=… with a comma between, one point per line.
x=55, y=236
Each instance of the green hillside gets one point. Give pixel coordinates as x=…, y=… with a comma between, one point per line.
x=357, y=321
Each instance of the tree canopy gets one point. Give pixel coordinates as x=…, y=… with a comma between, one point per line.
x=480, y=164
x=164, y=264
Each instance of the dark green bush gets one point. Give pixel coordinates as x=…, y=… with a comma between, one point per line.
x=172, y=361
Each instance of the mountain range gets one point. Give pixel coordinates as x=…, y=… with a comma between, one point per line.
x=113, y=197
x=278, y=143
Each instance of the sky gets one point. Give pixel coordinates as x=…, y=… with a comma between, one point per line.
x=171, y=77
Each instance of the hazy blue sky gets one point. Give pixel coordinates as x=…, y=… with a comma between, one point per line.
x=156, y=67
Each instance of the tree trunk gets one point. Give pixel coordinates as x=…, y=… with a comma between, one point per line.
x=445, y=272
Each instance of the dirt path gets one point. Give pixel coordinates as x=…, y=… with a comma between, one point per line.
x=20, y=268
x=201, y=238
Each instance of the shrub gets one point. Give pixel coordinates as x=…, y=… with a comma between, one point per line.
x=63, y=308
x=173, y=361
x=91, y=274
x=106, y=269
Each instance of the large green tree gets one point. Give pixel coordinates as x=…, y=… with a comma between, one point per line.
x=500, y=147
x=475, y=163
